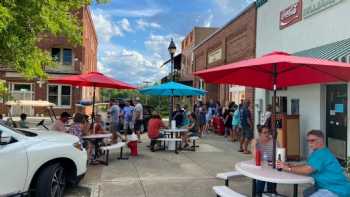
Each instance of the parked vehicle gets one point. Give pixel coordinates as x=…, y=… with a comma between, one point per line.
x=40, y=163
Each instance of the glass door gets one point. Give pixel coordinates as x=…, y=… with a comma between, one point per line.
x=336, y=120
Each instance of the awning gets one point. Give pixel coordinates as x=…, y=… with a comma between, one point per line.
x=332, y=51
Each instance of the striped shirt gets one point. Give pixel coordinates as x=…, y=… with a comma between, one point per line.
x=266, y=148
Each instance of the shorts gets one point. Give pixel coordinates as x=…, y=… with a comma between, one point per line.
x=192, y=134
x=115, y=127
x=128, y=125
x=247, y=133
x=138, y=124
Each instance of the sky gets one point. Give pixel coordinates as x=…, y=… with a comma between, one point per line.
x=134, y=35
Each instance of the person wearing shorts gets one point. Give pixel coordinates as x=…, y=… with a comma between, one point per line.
x=247, y=127
x=115, y=115
x=235, y=125
x=138, y=118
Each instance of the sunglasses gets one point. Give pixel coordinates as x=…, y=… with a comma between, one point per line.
x=311, y=140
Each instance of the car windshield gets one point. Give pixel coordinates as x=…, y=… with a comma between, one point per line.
x=19, y=131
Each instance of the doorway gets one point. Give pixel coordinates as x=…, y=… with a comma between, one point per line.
x=336, y=120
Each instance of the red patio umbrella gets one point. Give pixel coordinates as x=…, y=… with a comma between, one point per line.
x=92, y=79
x=277, y=70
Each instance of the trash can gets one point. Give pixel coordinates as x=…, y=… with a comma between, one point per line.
x=132, y=144
x=133, y=148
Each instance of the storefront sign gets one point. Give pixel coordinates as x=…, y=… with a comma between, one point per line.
x=290, y=15
x=312, y=7
x=215, y=55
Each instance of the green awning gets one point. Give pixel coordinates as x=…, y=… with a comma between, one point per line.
x=331, y=51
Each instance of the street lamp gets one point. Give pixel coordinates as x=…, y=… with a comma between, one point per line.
x=172, y=50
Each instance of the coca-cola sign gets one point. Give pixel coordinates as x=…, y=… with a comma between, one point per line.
x=290, y=15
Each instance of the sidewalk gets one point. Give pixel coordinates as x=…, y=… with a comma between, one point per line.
x=161, y=174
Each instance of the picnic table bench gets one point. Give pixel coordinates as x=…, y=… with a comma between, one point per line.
x=111, y=147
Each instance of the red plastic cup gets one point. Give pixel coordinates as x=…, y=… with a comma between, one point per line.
x=258, y=157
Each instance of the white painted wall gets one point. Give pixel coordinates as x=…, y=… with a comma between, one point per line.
x=326, y=27
x=309, y=109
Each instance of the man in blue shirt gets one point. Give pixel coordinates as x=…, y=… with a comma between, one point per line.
x=247, y=127
x=330, y=179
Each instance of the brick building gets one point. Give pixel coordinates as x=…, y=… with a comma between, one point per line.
x=233, y=42
x=192, y=39
x=71, y=59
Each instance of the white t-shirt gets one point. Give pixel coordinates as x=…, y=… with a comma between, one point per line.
x=138, y=110
x=267, y=115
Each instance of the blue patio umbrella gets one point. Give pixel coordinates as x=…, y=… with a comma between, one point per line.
x=172, y=89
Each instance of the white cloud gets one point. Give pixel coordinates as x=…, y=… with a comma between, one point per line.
x=159, y=44
x=142, y=24
x=103, y=69
x=125, y=25
x=230, y=7
x=209, y=20
x=131, y=13
x=105, y=28
x=130, y=65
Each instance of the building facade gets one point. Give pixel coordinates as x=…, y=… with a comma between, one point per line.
x=313, y=28
x=71, y=60
x=235, y=41
x=191, y=40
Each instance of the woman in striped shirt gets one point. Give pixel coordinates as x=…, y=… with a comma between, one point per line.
x=265, y=144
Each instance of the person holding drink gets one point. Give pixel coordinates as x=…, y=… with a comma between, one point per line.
x=330, y=179
x=262, y=148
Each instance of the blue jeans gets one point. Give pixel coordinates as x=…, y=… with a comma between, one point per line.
x=260, y=187
x=314, y=192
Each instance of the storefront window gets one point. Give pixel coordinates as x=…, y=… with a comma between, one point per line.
x=60, y=95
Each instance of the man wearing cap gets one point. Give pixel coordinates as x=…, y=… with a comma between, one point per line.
x=58, y=125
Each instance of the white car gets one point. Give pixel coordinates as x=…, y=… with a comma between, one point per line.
x=39, y=163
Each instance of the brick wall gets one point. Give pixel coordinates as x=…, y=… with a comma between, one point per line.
x=86, y=56
x=237, y=42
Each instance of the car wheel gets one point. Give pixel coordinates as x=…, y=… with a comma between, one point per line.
x=51, y=181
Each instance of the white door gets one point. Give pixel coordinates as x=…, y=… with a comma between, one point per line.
x=22, y=91
x=13, y=165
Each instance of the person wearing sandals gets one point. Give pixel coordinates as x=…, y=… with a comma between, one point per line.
x=192, y=129
x=247, y=127
x=235, y=125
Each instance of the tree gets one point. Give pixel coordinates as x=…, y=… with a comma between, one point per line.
x=24, y=22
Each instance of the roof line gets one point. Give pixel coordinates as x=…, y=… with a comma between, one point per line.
x=227, y=24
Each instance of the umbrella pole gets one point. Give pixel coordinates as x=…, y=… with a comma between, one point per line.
x=171, y=106
x=93, y=111
x=274, y=128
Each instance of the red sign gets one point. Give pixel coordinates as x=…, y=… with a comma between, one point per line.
x=291, y=15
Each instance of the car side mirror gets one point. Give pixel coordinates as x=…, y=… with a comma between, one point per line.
x=4, y=139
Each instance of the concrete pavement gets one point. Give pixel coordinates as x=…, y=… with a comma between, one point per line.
x=158, y=174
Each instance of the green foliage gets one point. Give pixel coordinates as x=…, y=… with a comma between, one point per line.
x=4, y=93
x=24, y=22
x=348, y=166
x=159, y=103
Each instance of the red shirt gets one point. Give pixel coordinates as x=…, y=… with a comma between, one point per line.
x=154, y=126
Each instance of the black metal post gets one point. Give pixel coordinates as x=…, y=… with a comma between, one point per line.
x=295, y=190
x=274, y=128
x=172, y=78
x=93, y=111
